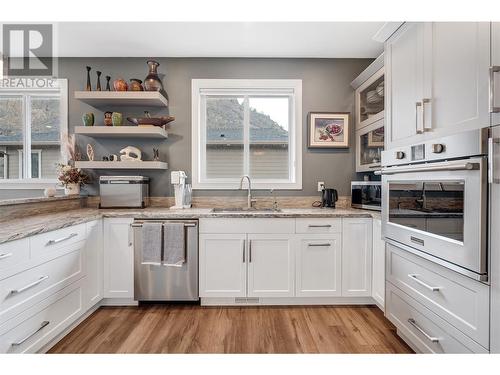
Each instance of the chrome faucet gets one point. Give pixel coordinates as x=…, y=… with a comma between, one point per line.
x=249, y=197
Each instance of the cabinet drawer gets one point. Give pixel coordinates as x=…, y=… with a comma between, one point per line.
x=318, y=225
x=26, y=288
x=34, y=328
x=426, y=331
x=253, y=225
x=13, y=253
x=43, y=244
x=461, y=301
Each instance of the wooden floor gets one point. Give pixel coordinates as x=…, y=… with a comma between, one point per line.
x=195, y=329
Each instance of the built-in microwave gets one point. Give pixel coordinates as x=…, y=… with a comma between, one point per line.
x=366, y=194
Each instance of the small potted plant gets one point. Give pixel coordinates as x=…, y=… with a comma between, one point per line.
x=71, y=178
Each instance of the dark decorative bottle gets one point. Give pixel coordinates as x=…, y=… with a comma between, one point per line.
x=108, y=87
x=153, y=81
x=98, y=88
x=89, y=87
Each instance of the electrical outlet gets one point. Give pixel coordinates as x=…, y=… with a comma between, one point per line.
x=321, y=185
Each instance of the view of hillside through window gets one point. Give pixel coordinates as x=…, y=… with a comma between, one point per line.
x=262, y=152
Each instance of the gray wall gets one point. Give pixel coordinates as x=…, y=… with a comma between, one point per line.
x=326, y=87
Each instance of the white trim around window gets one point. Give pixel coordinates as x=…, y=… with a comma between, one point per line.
x=60, y=88
x=290, y=88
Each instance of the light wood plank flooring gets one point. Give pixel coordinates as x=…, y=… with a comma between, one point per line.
x=194, y=329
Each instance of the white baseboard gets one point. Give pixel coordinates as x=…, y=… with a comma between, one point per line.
x=292, y=301
x=118, y=302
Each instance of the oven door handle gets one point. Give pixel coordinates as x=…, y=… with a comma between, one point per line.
x=453, y=167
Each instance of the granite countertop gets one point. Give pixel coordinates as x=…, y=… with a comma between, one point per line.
x=20, y=228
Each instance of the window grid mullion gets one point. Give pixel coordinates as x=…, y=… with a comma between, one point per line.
x=246, y=136
x=27, y=152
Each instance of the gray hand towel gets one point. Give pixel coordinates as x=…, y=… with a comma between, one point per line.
x=151, y=243
x=173, y=244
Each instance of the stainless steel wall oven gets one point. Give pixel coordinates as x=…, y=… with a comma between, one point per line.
x=438, y=208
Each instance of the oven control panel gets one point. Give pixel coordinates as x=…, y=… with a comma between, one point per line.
x=460, y=145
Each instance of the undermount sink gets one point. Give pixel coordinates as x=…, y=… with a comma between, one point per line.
x=245, y=209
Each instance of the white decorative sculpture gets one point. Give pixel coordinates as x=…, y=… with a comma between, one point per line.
x=130, y=153
x=90, y=152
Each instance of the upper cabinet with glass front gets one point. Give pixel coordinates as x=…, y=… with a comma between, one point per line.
x=370, y=109
x=370, y=100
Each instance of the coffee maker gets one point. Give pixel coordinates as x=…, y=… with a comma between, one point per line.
x=182, y=190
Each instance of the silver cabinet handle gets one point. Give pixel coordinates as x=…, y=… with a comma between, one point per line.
x=244, y=245
x=31, y=285
x=427, y=336
x=491, y=158
x=415, y=168
x=417, y=280
x=491, y=84
x=319, y=244
x=320, y=225
x=250, y=251
x=53, y=242
x=425, y=128
x=44, y=324
x=130, y=235
x=418, y=106
x=5, y=255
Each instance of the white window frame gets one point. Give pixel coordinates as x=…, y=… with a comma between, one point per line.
x=273, y=87
x=61, y=87
x=21, y=165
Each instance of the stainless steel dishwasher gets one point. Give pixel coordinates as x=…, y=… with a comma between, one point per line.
x=163, y=283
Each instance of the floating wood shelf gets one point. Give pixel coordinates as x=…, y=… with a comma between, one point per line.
x=121, y=165
x=122, y=131
x=122, y=98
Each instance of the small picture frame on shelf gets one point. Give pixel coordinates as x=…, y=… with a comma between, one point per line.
x=328, y=129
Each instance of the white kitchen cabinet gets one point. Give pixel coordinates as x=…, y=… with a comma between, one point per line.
x=456, y=74
x=94, y=257
x=378, y=265
x=437, y=80
x=318, y=265
x=495, y=62
x=356, y=257
x=404, y=85
x=369, y=147
x=222, y=265
x=270, y=265
x=369, y=100
x=118, y=258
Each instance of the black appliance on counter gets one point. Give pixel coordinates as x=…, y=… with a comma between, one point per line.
x=329, y=197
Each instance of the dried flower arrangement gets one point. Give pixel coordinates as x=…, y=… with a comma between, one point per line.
x=71, y=175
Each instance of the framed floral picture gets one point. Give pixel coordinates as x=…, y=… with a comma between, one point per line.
x=328, y=129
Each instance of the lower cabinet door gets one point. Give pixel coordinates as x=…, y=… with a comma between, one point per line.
x=378, y=277
x=318, y=271
x=222, y=265
x=356, y=257
x=270, y=265
x=94, y=257
x=118, y=258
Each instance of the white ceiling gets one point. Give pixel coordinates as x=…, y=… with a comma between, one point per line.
x=219, y=39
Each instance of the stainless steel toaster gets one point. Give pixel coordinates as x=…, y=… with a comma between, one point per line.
x=124, y=191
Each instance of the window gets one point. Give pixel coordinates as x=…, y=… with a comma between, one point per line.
x=32, y=122
x=247, y=127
